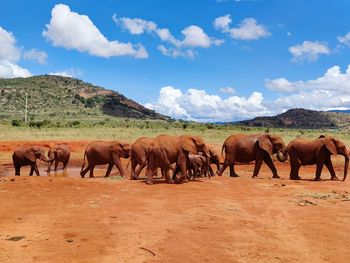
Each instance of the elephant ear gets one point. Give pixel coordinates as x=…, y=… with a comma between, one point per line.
x=30, y=154
x=58, y=152
x=330, y=145
x=116, y=148
x=265, y=144
x=188, y=145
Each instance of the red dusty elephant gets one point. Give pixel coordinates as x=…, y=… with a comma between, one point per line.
x=100, y=152
x=27, y=155
x=318, y=151
x=61, y=154
x=241, y=148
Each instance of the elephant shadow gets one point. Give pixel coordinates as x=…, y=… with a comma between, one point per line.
x=163, y=181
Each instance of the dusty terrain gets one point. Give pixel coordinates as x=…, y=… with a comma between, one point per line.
x=63, y=218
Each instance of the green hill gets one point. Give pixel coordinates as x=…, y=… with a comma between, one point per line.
x=302, y=118
x=62, y=98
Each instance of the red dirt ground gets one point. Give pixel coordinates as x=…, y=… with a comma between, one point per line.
x=63, y=218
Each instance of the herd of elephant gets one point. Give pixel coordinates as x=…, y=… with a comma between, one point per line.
x=190, y=156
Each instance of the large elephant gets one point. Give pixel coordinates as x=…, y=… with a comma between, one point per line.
x=27, y=155
x=138, y=156
x=177, y=149
x=157, y=158
x=100, y=152
x=241, y=148
x=60, y=153
x=319, y=151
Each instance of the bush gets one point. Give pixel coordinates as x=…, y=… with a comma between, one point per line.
x=16, y=123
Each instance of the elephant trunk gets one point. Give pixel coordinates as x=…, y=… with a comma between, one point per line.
x=43, y=158
x=282, y=156
x=346, y=166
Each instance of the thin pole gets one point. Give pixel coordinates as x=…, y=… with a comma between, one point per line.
x=26, y=111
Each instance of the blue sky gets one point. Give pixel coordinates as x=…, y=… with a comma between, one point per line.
x=205, y=60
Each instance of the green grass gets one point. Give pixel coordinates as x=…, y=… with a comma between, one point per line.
x=129, y=130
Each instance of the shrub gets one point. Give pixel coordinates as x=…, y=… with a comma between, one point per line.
x=16, y=123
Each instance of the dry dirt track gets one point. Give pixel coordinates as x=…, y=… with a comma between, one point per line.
x=68, y=219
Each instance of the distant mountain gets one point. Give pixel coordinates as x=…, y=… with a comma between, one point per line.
x=302, y=118
x=341, y=111
x=56, y=97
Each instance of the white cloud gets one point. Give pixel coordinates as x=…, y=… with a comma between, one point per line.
x=248, y=29
x=37, y=56
x=71, y=73
x=309, y=51
x=223, y=23
x=228, y=90
x=193, y=36
x=330, y=91
x=74, y=31
x=198, y=105
x=345, y=40
x=280, y=84
x=10, y=70
x=10, y=55
x=8, y=51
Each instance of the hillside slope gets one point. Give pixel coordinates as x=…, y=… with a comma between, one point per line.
x=56, y=97
x=302, y=118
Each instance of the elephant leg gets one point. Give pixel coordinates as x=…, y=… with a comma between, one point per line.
x=232, y=171
x=56, y=165
x=167, y=177
x=211, y=171
x=223, y=168
x=31, y=170
x=270, y=164
x=92, y=167
x=134, y=175
x=258, y=163
x=176, y=171
x=139, y=170
x=65, y=165
x=149, y=175
x=118, y=164
x=17, y=170
x=330, y=168
x=295, y=165
x=83, y=172
x=318, y=171
x=109, y=169
x=49, y=167
x=36, y=169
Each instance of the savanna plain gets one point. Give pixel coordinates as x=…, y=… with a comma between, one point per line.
x=60, y=217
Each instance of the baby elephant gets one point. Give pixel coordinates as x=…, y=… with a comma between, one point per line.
x=60, y=153
x=196, y=165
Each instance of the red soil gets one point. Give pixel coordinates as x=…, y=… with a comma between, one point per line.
x=63, y=218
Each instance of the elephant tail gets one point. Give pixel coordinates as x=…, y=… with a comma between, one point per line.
x=222, y=151
x=82, y=167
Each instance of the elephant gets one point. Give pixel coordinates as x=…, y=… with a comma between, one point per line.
x=196, y=165
x=60, y=153
x=241, y=148
x=157, y=158
x=100, y=152
x=138, y=156
x=318, y=151
x=214, y=158
x=177, y=149
x=27, y=155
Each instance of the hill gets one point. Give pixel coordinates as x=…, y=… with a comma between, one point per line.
x=56, y=97
x=302, y=118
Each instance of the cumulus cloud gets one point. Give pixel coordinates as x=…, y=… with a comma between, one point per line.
x=280, y=84
x=193, y=36
x=37, y=56
x=248, y=29
x=330, y=91
x=10, y=55
x=195, y=104
x=71, y=30
x=345, y=40
x=71, y=73
x=309, y=51
x=10, y=70
x=228, y=90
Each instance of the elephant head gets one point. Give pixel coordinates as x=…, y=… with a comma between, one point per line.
x=36, y=152
x=273, y=144
x=335, y=147
x=55, y=152
x=214, y=158
x=121, y=149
